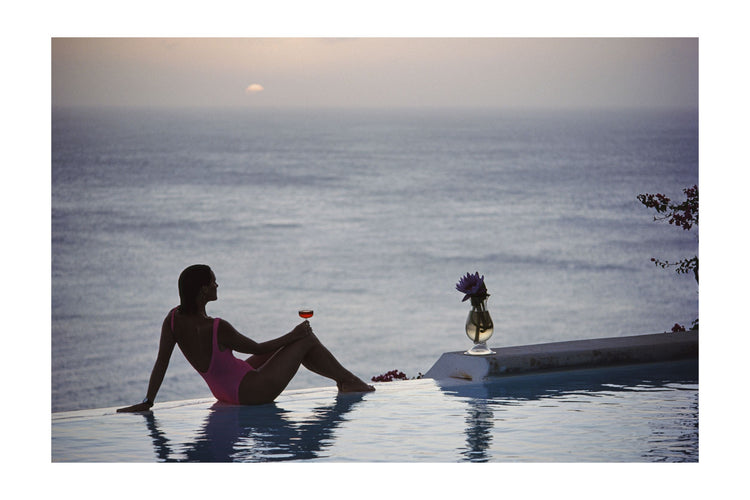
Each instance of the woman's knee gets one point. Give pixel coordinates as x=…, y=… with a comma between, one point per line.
x=309, y=341
x=314, y=338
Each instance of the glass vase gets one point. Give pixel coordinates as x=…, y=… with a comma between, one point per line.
x=479, y=328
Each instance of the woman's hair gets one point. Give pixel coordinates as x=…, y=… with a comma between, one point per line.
x=191, y=280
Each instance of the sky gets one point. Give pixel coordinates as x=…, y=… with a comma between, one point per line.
x=375, y=72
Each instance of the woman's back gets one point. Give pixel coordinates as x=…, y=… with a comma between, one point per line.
x=194, y=336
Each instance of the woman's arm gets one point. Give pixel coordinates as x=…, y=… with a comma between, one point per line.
x=229, y=337
x=166, y=346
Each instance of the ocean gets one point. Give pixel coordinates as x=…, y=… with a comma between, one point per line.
x=367, y=216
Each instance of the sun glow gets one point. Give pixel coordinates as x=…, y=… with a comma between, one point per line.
x=254, y=88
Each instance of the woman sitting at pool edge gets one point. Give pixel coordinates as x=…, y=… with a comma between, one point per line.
x=207, y=344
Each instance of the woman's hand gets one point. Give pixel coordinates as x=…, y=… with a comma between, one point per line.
x=302, y=330
x=146, y=406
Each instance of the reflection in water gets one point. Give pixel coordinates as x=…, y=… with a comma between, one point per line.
x=255, y=434
x=482, y=399
x=678, y=437
x=629, y=413
x=479, y=431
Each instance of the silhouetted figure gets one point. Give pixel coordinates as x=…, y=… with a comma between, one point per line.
x=207, y=344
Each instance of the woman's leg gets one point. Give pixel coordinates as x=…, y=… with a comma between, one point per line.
x=320, y=360
x=258, y=360
x=265, y=384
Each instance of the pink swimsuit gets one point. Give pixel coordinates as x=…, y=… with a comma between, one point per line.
x=225, y=372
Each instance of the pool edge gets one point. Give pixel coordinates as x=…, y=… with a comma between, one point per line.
x=566, y=355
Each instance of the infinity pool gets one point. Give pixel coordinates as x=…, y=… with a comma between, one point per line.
x=638, y=413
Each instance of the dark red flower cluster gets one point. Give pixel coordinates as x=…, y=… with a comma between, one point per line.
x=657, y=201
x=684, y=215
x=390, y=376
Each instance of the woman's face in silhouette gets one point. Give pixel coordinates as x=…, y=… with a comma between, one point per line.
x=209, y=291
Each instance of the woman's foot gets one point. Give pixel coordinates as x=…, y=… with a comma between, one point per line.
x=354, y=385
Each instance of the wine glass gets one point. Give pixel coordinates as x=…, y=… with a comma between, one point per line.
x=305, y=313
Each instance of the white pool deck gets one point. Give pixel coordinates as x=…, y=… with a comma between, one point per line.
x=108, y=435
x=566, y=355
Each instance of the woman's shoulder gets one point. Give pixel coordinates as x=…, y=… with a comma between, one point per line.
x=226, y=326
x=176, y=315
x=169, y=318
x=173, y=312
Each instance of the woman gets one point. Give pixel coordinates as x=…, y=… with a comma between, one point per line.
x=207, y=343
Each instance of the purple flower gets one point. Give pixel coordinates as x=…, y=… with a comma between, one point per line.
x=473, y=286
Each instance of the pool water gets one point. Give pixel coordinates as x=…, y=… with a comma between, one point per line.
x=638, y=413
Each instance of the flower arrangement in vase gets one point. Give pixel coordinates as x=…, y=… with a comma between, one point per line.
x=479, y=327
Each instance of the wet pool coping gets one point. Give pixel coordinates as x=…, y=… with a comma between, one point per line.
x=575, y=354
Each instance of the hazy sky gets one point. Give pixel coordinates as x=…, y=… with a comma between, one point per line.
x=488, y=72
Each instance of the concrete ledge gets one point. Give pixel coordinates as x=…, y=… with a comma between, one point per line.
x=567, y=355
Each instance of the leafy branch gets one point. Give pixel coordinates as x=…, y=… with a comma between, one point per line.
x=684, y=215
